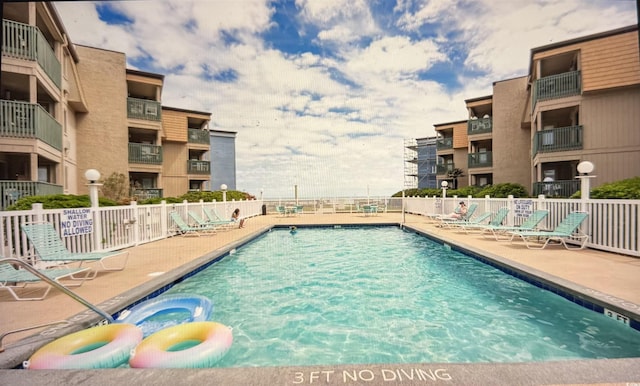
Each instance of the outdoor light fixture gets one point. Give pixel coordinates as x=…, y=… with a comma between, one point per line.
x=92, y=175
x=444, y=184
x=223, y=187
x=585, y=167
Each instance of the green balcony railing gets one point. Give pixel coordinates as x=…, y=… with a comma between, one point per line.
x=198, y=136
x=444, y=168
x=558, y=139
x=142, y=153
x=198, y=167
x=26, y=42
x=444, y=143
x=562, y=188
x=11, y=191
x=143, y=109
x=479, y=126
x=557, y=86
x=146, y=193
x=26, y=120
x=480, y=160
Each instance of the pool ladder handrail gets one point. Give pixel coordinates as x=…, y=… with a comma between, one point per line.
x=59, y=286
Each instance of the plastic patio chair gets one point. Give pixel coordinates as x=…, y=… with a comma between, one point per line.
x=50, y=247
x=499, y=232
x=496, y=220
x=564, y=231
x=11, y=278
x=184, y=229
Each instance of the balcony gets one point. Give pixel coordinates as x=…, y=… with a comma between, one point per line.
x=26, y=42
x=26, y=120
x=557, y=86
x=143, y=109
x=444, y=168
x=558, y=139
x=146, y=193
x=479, y=126
x=141, y=153
x=198, y=167
x=198, y=136
x=561, y=188
x=444, y=143
x=11, y=191
x=480, y=160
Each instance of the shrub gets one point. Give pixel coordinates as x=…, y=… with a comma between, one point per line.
x=503, y=191
x=624, y=189
x=56, y=201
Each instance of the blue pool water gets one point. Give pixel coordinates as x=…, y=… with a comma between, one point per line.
x=384, y=295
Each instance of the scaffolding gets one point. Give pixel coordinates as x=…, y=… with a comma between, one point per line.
x=410, y=163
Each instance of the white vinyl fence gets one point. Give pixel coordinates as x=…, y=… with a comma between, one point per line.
x=612, y=225
x=108, y=228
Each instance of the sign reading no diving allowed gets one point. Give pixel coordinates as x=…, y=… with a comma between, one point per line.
x=76, y=222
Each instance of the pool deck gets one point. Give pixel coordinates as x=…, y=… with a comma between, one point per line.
x=596, y=275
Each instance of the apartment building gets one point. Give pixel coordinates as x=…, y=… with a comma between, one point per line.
x=420, y=163
x=579, y=102
x=67, y=108
x=39, y=92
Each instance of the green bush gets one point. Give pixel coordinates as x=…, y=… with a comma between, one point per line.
x=497, y=191
x=56, y=201
x=503, y=191
x=625, y=189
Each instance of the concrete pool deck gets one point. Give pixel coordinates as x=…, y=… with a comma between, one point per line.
x=609, y=277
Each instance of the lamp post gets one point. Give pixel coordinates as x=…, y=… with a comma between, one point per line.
x=584, y=168
x=444, y=185
x=223, y=187
x=92, y=175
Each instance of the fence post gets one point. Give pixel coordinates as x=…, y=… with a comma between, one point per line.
x=135, y=223
x=510, y=215
x=542, y=205
x=163, y=218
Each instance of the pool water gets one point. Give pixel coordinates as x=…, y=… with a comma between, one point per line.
x=383, y=295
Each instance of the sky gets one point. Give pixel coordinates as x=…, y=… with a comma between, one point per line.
x=323, y=93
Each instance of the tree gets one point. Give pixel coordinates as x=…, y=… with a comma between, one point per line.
x=115, y=187
x=454, y=174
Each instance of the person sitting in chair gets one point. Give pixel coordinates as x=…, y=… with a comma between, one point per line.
x=235, y=216
x=460, y=212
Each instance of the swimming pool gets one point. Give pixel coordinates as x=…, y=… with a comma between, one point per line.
x=384, y=295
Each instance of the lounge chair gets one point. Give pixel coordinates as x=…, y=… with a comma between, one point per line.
x=496, y=220
x=184, y=229
x=499, y=232
x=11, y=278
x=50, y=247
x=369, y=210
x=454, y=223
x=564, y=231
x=217, y=221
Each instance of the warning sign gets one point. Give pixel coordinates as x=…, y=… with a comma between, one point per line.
x=76, y=222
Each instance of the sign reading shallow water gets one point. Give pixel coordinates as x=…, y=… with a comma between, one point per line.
x=75, y=222
x=369, y=375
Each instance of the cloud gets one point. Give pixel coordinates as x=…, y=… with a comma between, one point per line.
x=328, y=111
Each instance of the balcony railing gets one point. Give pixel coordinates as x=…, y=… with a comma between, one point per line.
x=198, y=136
x=198, y=167
x=26, y=120
x=557, y=86
x=26, y=42
x=479, y=126
x=11, y=191
x=444, y=143
x=143, y=109
x=144, y=194
x=444, y=168
x=480, y=160
x=141, y=153
x=562, y=188
x=558, y=139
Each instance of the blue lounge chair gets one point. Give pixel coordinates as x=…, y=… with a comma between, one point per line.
x=183, y=228
x=442, y=219
x=11, y=278
x=496, y=220
x=50, y=247
x=499, y=232
x=569, y=228
x=217, y=221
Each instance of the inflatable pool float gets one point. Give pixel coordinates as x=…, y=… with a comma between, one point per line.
x=189, y=345
x=198, y=307
x=95, y=348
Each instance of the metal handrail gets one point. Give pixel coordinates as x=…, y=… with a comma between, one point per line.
x=59, y=286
